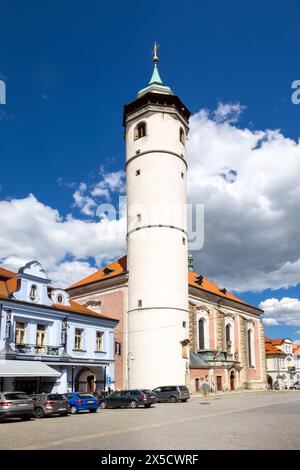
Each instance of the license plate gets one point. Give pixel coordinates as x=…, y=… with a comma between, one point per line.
x=61, y=409
x=21, y=404
x=91, y=401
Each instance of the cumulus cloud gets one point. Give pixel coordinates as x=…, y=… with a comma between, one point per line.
x=87, y=197
x=69, y=248
x=285, y=311
x=248, y=182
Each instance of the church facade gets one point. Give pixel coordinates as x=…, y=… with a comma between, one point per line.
x=175, y=326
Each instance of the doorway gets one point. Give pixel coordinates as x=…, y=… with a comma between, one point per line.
x=232, y=380
x=219, y=383
x=197, y=385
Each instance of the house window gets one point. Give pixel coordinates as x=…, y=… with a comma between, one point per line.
x=78, y=338
x=118, y=348
x=201, y=337
x=99, y=341
x=182, y=136
x=41, y=335
x=20, y=332
x=140, y=131
x=33, y=292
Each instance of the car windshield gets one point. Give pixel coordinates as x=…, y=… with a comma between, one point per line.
x=16, y=396
x=182, y=388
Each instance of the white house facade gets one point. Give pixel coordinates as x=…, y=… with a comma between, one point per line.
x=48, y=343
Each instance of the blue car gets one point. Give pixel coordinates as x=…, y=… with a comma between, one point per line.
x=80, y=401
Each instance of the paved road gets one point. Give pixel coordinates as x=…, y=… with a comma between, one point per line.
x=265, y=420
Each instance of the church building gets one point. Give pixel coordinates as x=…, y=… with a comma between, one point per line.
x=174, y=326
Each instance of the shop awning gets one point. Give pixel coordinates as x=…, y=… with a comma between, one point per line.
x=15, y=368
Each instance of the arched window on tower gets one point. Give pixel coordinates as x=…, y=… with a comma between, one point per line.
x=201, y=334
x=228, y=337
x=182, y=136
x=140, y=131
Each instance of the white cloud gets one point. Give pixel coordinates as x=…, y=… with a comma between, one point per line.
x=31, y=230
x=285, y=311
x=248, y=182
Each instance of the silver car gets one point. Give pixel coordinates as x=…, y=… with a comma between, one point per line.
x=16, y=405
x=50, y=404
x=295, y=386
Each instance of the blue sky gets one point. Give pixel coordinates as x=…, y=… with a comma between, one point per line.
x=69, y=67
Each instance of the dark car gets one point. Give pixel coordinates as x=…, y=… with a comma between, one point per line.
x=131, y=398
x=80, y=401
x=50, y=404
x=172, y=393
x=16, y=405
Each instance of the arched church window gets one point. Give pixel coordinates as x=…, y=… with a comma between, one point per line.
x=182, y=136
x=228, y=337
x=201, y=334
x=140, y=131
x=250, y=350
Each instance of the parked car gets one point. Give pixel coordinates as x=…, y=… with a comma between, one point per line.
x=80, y=401
x=50, y=404
x=131, y=398
x=172, y=393
x=295, y=386
x=16, y=405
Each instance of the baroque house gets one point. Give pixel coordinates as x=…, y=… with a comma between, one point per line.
x=48, y=342
x=282, y=362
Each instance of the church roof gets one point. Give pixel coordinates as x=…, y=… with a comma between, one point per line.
x=119, y=267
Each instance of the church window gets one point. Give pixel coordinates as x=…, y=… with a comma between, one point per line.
x=140, y=131
x=250, y=347
x=201, y=334
x=182, y=136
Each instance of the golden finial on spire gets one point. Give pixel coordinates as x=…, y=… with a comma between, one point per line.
x=155, y=57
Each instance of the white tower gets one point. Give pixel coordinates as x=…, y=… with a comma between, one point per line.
x=156, y=126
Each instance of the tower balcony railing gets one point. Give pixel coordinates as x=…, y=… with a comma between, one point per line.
x=34, y=349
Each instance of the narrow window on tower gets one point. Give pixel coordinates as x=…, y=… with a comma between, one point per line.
x=183, y=241
x=140, y=303
x=182, y=175
x=140, y=131
x=182, y=136
x=138, y=172
x=139, y=217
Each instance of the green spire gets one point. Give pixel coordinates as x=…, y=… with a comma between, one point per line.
x=155, y=79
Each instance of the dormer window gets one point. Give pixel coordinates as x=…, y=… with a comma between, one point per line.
x=60, y=299
x=140, y=131
x=182, y=136
x=33, y=292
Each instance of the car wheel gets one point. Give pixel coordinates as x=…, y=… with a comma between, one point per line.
x=73, y=410
x=133, y=404
x=93, y=411
x=103, y=405
x=39, y=413
x=173, y=399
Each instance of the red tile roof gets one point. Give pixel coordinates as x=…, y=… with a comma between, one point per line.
x=271, y=348
x=9, y=285
x=119, y=267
